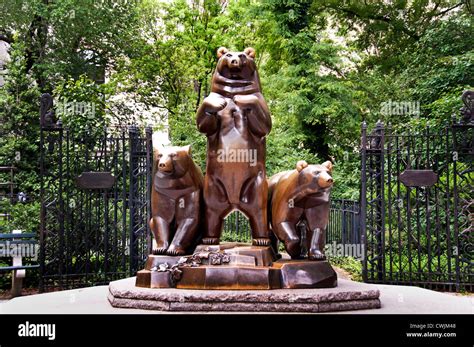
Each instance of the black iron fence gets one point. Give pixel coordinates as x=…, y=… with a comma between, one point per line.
x=94, y=204
x=417, y=206
x=236, y=228
x=344, y=226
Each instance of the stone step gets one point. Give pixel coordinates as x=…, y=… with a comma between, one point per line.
x=346, y=296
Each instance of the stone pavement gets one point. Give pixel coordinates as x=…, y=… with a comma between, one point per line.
x=394, y=300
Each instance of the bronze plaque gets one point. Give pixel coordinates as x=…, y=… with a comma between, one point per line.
x=95, y=180
x=418, y=178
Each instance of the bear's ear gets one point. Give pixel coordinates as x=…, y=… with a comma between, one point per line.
x=300, y=165
x=221, y=51
x=328, y=165
x=250, y=52
x=187, y=149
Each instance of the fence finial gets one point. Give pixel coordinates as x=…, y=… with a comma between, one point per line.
x=467, y=111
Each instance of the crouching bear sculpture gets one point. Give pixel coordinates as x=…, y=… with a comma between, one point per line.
x=297, y=195
x=235, y=118
x=175, y=200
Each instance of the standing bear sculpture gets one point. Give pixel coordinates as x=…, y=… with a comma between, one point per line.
x=175, y=201
x=301, y=195
x=235, y=118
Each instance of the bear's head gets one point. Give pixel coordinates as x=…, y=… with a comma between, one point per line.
x=236, y=65
x=172, y=162
x=314, y=178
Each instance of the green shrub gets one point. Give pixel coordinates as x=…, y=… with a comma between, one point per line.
x=25, y=217
x=351, y=265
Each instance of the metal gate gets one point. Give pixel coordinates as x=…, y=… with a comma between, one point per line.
x=417, y=206
x=94, y=203
x=344, y=225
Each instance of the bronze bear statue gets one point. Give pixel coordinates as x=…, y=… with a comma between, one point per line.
x=175, y=200
x=235, y=118
x=301, y=195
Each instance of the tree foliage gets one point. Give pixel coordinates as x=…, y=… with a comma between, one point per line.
x=325, y=66
x=19, y=135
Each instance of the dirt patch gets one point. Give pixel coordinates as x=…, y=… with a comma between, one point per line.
x=6, y=295
x=460, y=294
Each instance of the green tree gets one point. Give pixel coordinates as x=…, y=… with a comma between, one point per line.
x=325, y=65
x=19, y=105
x=383, y=30
x=69, y=38
x=172, y=61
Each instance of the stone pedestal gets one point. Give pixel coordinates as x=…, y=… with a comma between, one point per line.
x=348, y=295
x=239, y=277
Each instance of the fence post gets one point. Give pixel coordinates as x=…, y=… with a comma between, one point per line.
x=456, y=148
x=149, y=182
x=378, y=146
x=48, y=124
x=363, y=200
x=42, y=211
x=132, y=193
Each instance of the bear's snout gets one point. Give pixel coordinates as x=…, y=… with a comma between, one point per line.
x=234, y=62
x=325, y=180
x=165, y=166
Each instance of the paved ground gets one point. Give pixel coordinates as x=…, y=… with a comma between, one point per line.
x=395, y=299
x=415, y=300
